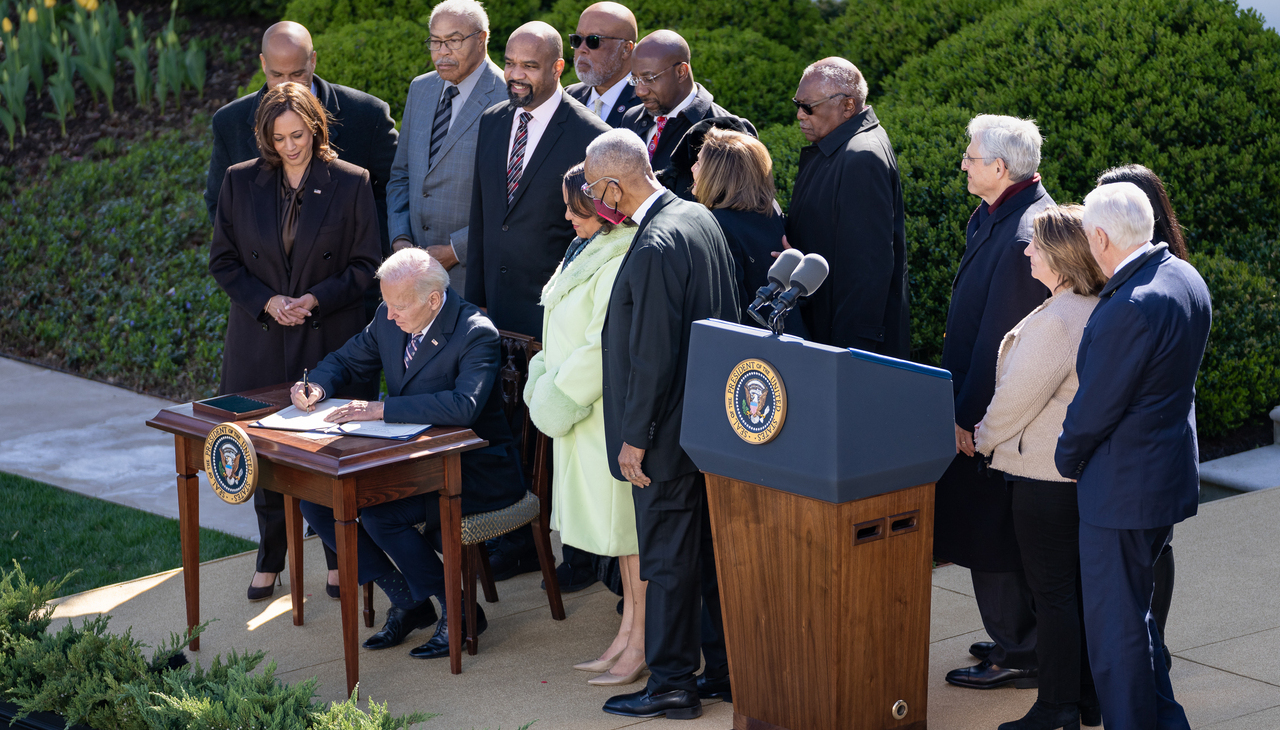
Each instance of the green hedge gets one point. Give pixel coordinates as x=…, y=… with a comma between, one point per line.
x=793, y=23
x=749, y=74
x=268, y=9
x=379, y=57
x=324, y=15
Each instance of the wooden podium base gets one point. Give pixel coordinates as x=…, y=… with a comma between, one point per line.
x=826, y=606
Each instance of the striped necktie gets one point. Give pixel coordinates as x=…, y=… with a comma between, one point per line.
x=516, y=166
x=440, y=127
x=657, y=134
x=411, y=348
x=597, y=105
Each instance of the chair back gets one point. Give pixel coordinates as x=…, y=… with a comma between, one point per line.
x=534, y=446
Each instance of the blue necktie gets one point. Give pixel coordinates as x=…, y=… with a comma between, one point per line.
x=411, y=348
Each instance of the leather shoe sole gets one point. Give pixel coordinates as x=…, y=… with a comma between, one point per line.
x=986, y=675
x=675, y=705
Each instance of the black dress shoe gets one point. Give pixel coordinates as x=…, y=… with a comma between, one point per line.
x=714, y=688
x=982, y=649
x=1044, y=716
x=332, y=591
x=571, y=580
x=986, y=675
x=400, y=622
x=677, y=704
x=438, y=645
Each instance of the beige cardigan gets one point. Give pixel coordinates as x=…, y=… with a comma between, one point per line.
x=1035, y=382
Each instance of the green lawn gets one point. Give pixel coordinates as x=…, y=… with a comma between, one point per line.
x=51, y=532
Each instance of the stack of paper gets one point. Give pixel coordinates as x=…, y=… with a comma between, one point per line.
x=292, y=419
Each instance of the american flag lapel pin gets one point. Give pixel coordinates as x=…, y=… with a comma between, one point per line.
x=316, y=191
x=434, y=342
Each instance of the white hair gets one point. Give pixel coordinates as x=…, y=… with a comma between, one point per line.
x=414, y=264
x=1121, y=210
x=470, y=9
x=845, y=80
x=617, y=153
x=1016, y=141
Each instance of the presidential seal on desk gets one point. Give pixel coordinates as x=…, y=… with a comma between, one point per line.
x=756, y=401
x=231, y=463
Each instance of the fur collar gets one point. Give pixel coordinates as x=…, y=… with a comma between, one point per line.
x=599, y=252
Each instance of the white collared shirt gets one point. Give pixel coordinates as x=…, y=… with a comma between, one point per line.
x=464, y=91
x=541, y=118
x=610, y=97
x=671, y=114
x=1136, y=253
x=643, y=210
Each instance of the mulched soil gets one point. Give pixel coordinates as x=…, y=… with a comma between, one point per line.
x=231, y=60
x=1259, y=432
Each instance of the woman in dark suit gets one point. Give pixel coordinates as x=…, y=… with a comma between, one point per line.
x=733, y=177
x=295, y=246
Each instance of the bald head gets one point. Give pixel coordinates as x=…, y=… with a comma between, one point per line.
x=532, y=65
x=661, y=64
x=287, y=54
x=609, y=18
x=540, y=38
x=665, y=46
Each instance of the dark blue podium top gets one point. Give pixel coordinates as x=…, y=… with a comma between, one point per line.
x=857, y=424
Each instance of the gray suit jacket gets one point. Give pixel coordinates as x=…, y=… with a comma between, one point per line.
x=430, y=200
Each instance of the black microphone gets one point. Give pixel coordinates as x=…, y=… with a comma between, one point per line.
x=805, y=280
x=779, y=275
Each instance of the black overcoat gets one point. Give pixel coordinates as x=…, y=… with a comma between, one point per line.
x=334, y=258
x=512, y=250
x=752, y=239
x=677, y=271
x=993, y=290
x=361, y=131
x=847, y=206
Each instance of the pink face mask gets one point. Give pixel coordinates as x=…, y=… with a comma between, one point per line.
x=613, y=215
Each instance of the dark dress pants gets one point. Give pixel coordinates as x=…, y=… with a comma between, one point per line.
x=371, y=562
x=1117, y=576
x=273, y=546
x=1047, y=519
x=675, y=545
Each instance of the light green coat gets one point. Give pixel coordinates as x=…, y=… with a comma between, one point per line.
x=592, y=510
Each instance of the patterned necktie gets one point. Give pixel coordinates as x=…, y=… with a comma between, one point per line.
x=657, y=133
x=411, y=348
x=597, y=105
x=516, y=166
x=440, y=127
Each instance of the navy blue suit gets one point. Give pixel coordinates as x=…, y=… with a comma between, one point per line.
x=1130, y=439
x=449, y=382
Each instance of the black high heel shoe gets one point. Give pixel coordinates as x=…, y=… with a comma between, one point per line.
x=1044, y=716
x=265, y=592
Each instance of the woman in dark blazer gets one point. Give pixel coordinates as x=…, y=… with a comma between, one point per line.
x=733, y=177
x=295, y=246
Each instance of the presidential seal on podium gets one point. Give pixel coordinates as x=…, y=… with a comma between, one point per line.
x=756, y=401
x=231, y=463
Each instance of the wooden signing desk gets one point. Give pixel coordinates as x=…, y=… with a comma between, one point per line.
x=345, y=473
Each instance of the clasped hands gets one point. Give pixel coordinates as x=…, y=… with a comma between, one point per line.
x=356, y=410
x=290, y=311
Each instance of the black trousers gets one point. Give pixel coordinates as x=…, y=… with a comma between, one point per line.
x=272, y=545
x=677, y=559
x=1046, y=517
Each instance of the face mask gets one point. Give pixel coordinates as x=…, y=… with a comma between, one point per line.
x=613, y=215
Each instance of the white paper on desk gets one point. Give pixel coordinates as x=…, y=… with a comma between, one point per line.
x=293, y=419
x=383, y=430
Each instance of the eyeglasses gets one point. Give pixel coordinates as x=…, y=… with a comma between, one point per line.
x=593, y=40
x=966, y=159
x=452, y=44
x=589, y=187
x=648, y=80
x=807, y=107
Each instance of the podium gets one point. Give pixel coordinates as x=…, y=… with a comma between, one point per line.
x=820, y=465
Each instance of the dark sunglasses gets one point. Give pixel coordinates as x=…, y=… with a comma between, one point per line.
x=593, y=41
x=807, y=108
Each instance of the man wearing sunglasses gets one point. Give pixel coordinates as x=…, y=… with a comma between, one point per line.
x=602, y=57
x=429, y=195
x=671, y=103
x=847, y=206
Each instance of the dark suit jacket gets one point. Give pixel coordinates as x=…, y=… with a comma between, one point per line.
x=752, y=238
x=334, y=257
x=361, y=132
x=449, y=382
x=847, y=206
x=638, y=120
x=992, y=291
x=626, y=100
x=514, y=249
x=1130, y=433
x=677, y=271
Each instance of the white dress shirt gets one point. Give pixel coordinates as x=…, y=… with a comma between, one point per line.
x=1136, y=253
x=464, y=92
x=541, y=118
x=679, y=108
x=608, y=99
x=643, y=210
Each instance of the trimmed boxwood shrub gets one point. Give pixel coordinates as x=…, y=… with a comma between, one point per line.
x=324, y=15
x=793, y=23
x=784, y=142
x=379, y=57
x=749, y=74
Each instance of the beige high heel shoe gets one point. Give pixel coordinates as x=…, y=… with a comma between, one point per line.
x=611, y=680
x=599, y=665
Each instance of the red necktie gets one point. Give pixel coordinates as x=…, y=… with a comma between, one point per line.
x=516, y=166
x=657, y=133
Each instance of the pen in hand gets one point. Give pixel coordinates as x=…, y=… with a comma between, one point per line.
x=306, y=390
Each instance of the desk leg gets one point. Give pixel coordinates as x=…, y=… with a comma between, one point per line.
x=189, y=532
x=451, y=531
x=293, y=540
x=348, y=585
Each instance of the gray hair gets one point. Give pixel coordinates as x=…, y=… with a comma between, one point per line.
x=845, y=80
x=470, y=9
x=427, y=274
x=617, y=152
x=1016, y=141
x=1121, y=210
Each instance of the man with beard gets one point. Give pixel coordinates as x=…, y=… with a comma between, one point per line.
x=672, y=102
x=429, y=195
x=602, y=49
